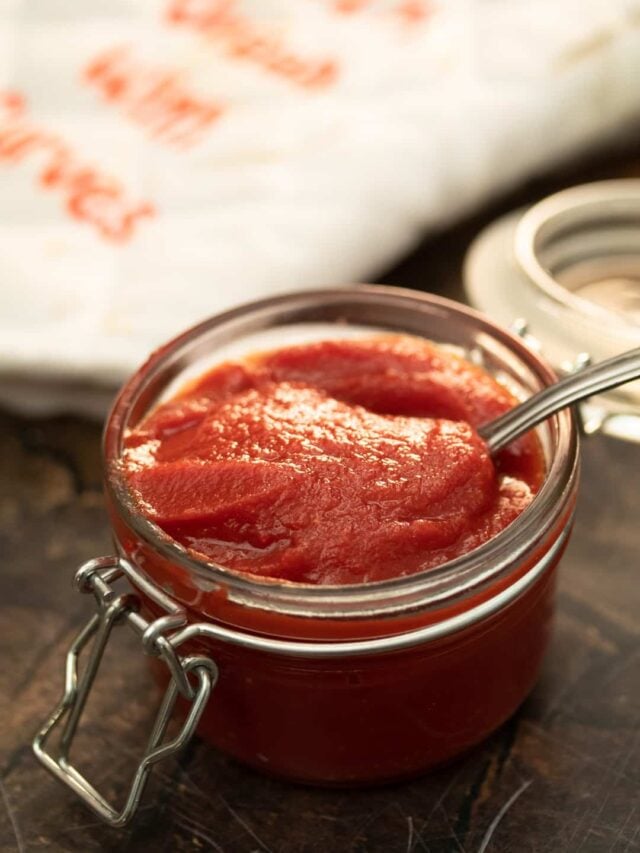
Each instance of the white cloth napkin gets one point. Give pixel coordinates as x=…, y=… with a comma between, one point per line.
x=162, y=160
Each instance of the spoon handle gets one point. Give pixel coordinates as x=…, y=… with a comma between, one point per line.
x=592, y=380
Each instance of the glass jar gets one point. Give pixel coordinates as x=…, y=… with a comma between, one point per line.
x=330, y=685
x=570, y=266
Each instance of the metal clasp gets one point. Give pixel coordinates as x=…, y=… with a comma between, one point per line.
x=97, y=576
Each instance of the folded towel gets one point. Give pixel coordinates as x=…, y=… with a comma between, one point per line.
x=165, y=160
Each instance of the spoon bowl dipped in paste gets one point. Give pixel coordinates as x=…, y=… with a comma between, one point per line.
x=333, y=462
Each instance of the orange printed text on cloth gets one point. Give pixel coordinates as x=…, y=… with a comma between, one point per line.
x=245, y=39
x=157, y=99
x=90, y=194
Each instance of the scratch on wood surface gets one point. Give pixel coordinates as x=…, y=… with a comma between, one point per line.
x=623, y=827
x=234, y=814
x=12, y=818
x=451, y=828
x=439, y=801
x=632, y=840
x=594, y=817
x=410, y=836
x=368, y=820
x=620, y=834
x=197, y=831
x=413, y=837
x=505, y=808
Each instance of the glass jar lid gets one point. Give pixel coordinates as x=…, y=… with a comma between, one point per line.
x=570, y=268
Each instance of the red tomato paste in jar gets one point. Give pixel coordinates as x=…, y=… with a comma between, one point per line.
x=336, y=462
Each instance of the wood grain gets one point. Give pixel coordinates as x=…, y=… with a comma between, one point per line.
x=562, y=775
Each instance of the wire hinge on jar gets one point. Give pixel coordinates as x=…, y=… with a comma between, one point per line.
x=191, y=676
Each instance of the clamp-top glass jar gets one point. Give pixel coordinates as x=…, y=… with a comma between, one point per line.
x=570, y=267
x=333, y=685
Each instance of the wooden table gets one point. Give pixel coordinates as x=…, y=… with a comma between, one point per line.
x=562, y=775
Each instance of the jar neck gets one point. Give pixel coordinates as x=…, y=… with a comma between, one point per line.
x=314, y=638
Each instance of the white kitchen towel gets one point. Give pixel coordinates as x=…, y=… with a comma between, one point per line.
x=162, y=160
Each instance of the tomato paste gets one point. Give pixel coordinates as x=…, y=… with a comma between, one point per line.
x=333, y=462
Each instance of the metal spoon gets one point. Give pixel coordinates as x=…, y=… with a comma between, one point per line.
x=592, y=380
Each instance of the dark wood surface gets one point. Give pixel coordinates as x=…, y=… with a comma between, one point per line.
x=562, y=775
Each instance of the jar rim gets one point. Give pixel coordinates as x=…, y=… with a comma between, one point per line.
x=431, y=587
x=598, y=199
